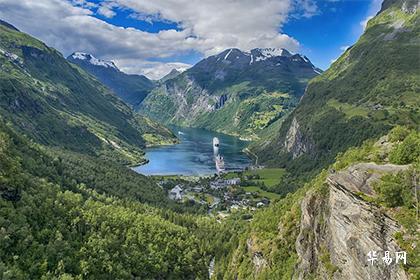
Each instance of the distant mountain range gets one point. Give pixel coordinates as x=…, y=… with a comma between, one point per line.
x=235, y=92
x=130, y=88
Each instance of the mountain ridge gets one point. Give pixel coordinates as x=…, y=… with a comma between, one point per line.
x=131, y=88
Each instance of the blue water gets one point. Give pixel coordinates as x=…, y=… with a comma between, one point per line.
x=194, y=155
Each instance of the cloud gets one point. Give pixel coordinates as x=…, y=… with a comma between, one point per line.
x=106, y=11
x=374, y=7
x=153, y=70
x=204, y=26
x=364, y=22
x=218, y=24
x=344, y=48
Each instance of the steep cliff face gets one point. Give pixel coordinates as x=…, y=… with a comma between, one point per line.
x=296, y=142
x=183, y=101
x=339, y=229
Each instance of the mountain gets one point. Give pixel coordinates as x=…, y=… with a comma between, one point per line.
x=235, y=92
x=130, y=88
x=169, y=76
x=372, y=87
x=59, y=105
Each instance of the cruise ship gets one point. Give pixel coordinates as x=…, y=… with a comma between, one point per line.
x=216, y=142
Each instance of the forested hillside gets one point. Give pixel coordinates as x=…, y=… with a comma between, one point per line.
x=347, y=158
x=58, y=104
x=53, y=225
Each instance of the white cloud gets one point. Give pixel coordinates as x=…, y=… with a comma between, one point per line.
x=153, y=70
x=364, y=22
x=207, y=26
x=344, y=48
x=106, y=11
x=374, y=7
x=215, y=25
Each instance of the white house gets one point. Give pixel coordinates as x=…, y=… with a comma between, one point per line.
x=233, y=181
x=176, y=193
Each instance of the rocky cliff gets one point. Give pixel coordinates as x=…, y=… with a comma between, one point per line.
x=296, y=142
x=339, y=228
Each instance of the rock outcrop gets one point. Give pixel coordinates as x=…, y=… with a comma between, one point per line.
x=257, y=256
x=339, y=228
x=296, y=142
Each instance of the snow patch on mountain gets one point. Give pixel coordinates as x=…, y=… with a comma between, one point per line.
x=93, y=60
x=266, y=53
x=227, y=55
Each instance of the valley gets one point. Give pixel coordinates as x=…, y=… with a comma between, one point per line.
x=250, y=163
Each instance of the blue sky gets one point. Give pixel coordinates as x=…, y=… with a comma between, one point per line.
x=323, y=36
x=153, y=37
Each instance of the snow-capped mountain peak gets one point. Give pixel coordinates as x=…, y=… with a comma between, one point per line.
x=93, y=60
x=270, y=52
x=263, y=54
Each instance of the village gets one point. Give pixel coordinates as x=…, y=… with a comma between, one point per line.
x=226, y=193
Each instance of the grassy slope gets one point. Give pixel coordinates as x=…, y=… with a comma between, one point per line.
x=372, y=87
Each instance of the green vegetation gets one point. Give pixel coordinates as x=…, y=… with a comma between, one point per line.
x=269, y=176
x=70, y=208
x=408, y=150
x=261, y=192
x=59, y=105
x=53, y=226
x=349, y=110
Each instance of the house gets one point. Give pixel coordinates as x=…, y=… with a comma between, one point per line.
x=260, y=204
x=176, y=193
x=233, y=181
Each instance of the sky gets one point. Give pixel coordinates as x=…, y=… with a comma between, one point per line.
x=152, y=37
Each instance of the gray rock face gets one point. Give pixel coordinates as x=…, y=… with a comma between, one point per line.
x=257, y=256
x=296, y=142
x=339, y=229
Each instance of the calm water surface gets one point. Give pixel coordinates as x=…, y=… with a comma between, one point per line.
x=194, y=155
